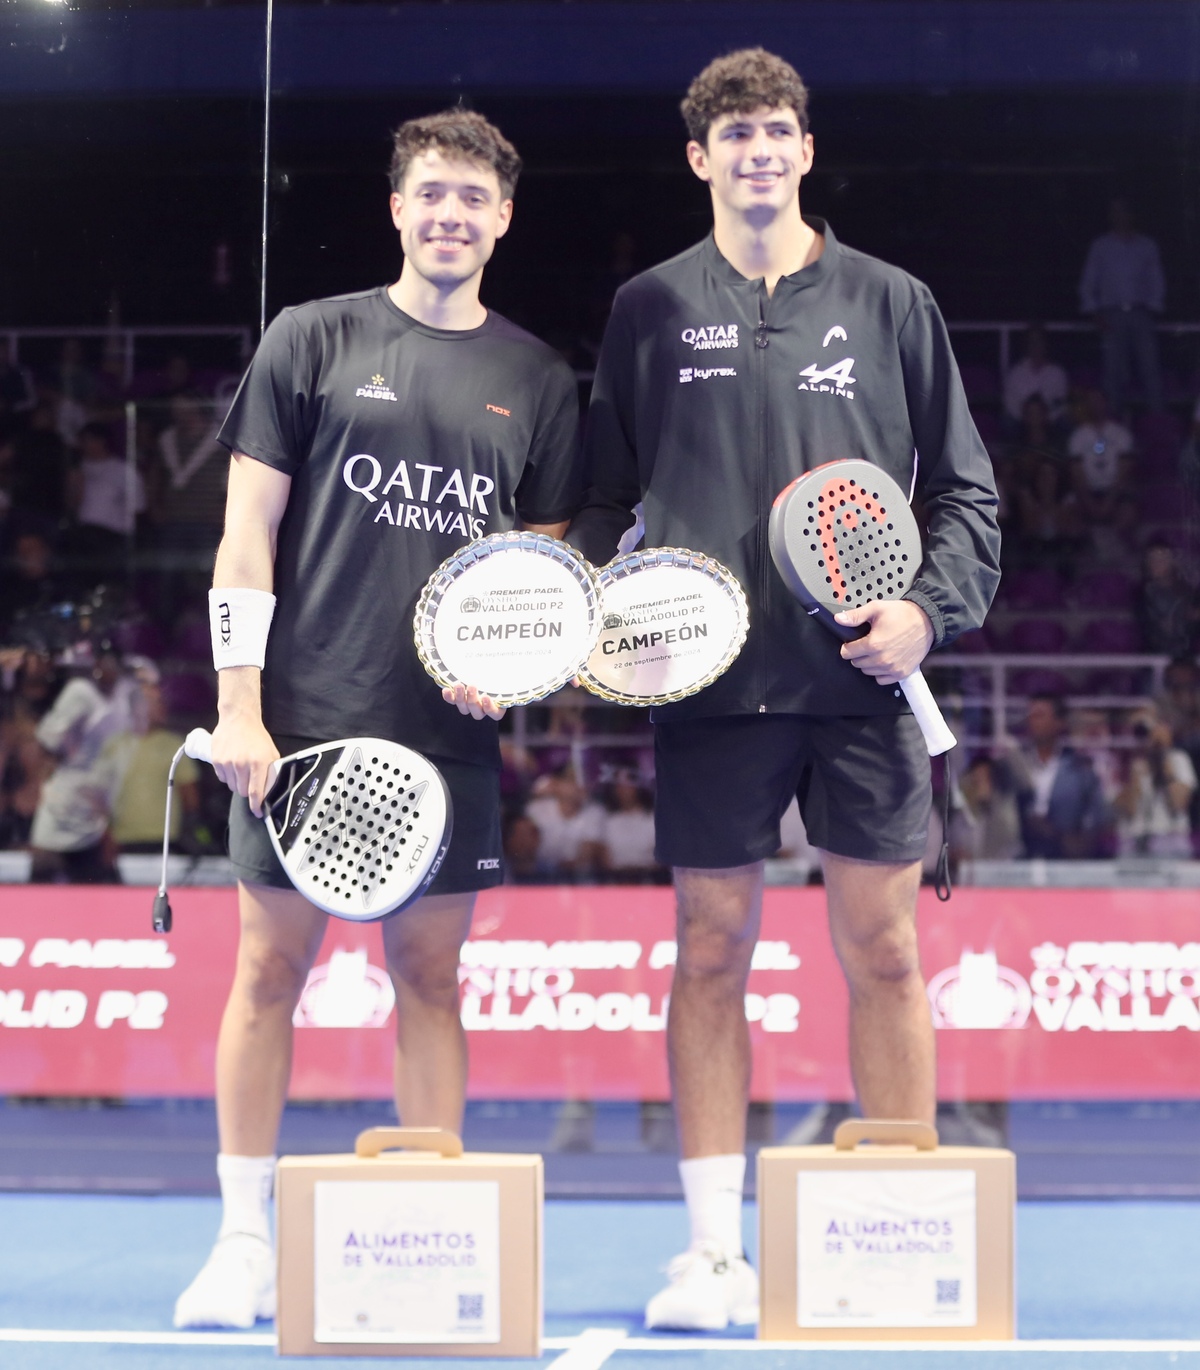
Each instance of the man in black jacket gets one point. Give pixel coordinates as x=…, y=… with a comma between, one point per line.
x=726, y=372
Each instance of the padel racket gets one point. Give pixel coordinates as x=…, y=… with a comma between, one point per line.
x=841, y=535
x=361, y=825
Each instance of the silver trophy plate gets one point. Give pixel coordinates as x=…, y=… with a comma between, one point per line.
x=673, y=621
x=514, y=614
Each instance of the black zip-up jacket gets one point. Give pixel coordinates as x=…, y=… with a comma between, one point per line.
x=711, y=396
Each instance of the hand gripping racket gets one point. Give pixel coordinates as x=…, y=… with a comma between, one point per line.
x=841, y=535
x=360, y=825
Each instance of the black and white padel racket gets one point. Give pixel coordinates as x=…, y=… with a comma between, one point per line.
x=842, y=535
x=360, y=825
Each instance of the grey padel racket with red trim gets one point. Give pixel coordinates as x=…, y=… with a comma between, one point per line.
x=841, y=535
x=361, y=826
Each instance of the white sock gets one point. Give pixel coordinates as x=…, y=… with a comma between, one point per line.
x=246, y=1183
x=712, y=1186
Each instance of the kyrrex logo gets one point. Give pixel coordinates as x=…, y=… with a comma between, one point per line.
x=830, y=379
x=713, y=336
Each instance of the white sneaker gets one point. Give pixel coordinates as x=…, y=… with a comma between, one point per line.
x=235, y=1286
x=707, y=1291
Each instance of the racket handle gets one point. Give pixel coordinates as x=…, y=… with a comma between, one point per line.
x=198, y=745
x=938, y=737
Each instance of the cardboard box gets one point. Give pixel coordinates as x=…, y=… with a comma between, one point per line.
x=901, y=1239
x=419, y=1252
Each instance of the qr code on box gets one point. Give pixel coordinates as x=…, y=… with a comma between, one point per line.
x=470, y=1308
x=948, y=1291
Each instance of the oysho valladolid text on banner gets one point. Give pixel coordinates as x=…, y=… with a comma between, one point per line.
x=1036, y=993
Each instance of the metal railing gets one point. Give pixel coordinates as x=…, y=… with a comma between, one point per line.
x=982, y=688
x=1005, y=329
x=125, y=339
x=997, y=700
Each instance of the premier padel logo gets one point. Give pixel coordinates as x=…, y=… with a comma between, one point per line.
x=712, y=337
x=830, y=380
x=377, y=390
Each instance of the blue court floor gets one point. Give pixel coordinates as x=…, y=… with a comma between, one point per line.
x=89, y=1280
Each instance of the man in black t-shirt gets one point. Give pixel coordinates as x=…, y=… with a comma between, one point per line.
x=766, y=350
x=373, y=435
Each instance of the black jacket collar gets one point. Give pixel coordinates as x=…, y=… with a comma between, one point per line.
x=799, y=280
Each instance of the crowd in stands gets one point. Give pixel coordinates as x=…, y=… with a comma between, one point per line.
x=108, y=524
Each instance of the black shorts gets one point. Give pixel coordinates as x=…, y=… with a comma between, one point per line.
x=473, y=862
x=723, y=784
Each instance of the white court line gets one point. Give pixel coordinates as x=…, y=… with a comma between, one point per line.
x=123, y=1338
x=120, y=1337
x=590, y=1349
x=726, y=1344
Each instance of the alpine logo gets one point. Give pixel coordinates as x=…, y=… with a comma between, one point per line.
x=703, y=373
x=376, y=390
x=829, y=380
x=712, y=337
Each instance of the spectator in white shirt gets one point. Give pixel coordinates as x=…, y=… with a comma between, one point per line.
x=1101, y=453
x=570, y=825
x=1035, y=374
x=1152, y=808
x=986, y=824
x=1122, y=289
x=1100, y=444
x=76, y=801
x=628, y=833
x=106, y=498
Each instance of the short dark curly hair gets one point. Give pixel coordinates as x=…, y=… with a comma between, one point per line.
x=456, y=133
x=740, y=82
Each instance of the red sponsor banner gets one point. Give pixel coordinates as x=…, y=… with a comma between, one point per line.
x=1037, y=994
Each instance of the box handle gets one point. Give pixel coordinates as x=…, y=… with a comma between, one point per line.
x=379, y=1139
x=888, y=1131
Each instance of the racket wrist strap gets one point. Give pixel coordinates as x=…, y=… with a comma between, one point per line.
x=239, y=621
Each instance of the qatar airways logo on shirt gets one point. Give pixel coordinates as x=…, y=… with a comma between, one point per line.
x=712, y=337
x=426, y=498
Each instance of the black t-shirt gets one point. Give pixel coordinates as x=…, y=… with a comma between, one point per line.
x=403, y=443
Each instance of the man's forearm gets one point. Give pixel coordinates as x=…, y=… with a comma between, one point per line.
x=239, y=692
x=245, y=559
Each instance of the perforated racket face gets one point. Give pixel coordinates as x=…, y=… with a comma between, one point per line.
x=842, y=534
x=361, y=825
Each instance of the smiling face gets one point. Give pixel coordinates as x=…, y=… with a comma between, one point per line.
x=754, y=162
x=449, y=214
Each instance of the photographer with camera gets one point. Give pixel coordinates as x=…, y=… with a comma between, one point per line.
x=1152, y=806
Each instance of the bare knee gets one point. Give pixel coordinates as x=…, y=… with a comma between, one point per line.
x=882, y=961
x=268, y=978
x=718, y=919
x=431, y=978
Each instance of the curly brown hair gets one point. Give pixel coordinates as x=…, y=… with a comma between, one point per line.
x=740, y=82
x=456, y=133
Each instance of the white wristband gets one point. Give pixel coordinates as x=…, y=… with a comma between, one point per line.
x=240, y=621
